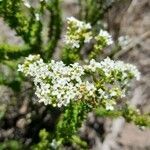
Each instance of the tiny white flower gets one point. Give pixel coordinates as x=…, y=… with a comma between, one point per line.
x=20, y=68
x=87, y=39
x=109, y=107
x=37, y=16
x=107, y=36
x=113, y=93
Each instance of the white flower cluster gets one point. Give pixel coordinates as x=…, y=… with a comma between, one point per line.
x=58, y=84
x=106, y=36
x=109, y=95
x=124, y=72
x=108, y=65
x=77, y=31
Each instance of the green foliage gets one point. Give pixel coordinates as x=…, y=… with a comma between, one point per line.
x=55, y=25
x=13, y=14
x=129, y=113
x=66, y=129
x=71, y=120
x=11, y=145
x=44, y=143
x=13, y=52
x=28, y=25
x=93, y=11
x=133, y=115
x=2, y=111
x=27, y=22
x=10, y=78
x=70, y=56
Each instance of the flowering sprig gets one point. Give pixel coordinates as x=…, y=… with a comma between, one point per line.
x=80, y=33
x=103, y=39
x=58, y=84
x=109, y=66
x=80, y=89
x=77, y=32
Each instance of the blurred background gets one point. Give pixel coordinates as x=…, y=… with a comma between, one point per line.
x=21, y=117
